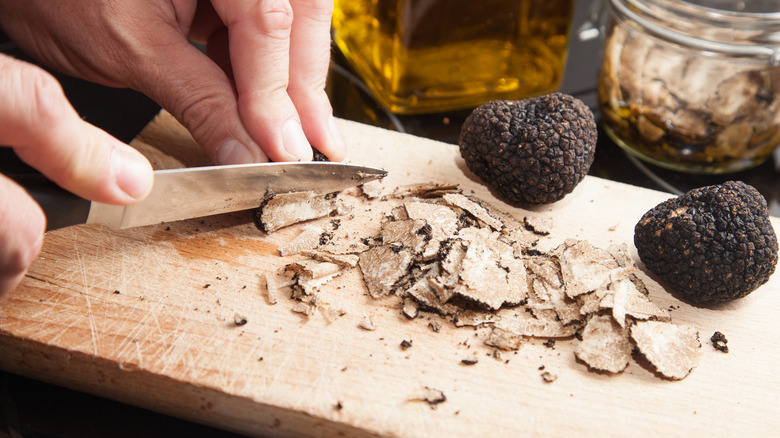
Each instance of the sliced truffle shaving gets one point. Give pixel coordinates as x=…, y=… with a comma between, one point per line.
x=585, y=268
x=383, y=267
x=520, y=239
x=673, y=349
x=504, y=340
x=625, y=299
x=475, y=209
x=344, y=247
x=605, y=345
x=426, y=190
x=547, y=269
x=406, y=233
x=305, y=308
x=344, y=260
x=474, y=318
x=483, y=280
x=442, y=220
x=567, y=309
x=621, y=256
x=539, y=225
x=292, y=208
x=372, y=189
x=399, y=213
x=424, y=294
x=591, y=302
x=443, y=286
x=410, y=308
x=311, y=275
x=313, y=269
x=527, y=324
x=307, y=240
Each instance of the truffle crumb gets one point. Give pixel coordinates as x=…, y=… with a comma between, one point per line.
x=432, y=396
x=239, y=319
x=471, y=360
x=367, y=324
x=719, y=342
x=405, y=345
x=504, y=340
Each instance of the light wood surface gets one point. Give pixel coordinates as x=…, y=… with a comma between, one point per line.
x=146, y=316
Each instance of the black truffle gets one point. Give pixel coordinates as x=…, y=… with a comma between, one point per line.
x=712, y=244
x=531, y=151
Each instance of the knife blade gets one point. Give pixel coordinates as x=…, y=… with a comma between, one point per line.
x=179, y=194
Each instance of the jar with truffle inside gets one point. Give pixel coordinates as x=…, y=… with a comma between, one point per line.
x=693, y=85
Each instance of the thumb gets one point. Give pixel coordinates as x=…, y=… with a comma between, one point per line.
x=47, y=133
x=21, y=233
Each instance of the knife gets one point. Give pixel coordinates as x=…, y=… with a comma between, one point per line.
x=196, y=192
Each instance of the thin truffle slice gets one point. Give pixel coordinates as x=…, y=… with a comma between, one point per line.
x=504, y=340
x=673, y=349
x=585, y=268
x=383, y=266
x=605, y=346
x=286, y=209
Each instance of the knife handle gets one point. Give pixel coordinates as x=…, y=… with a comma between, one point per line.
x=61, y=207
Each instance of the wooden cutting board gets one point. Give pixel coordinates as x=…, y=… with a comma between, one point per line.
x=146, y=316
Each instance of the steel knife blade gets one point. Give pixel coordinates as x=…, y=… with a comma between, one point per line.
x=197, y=192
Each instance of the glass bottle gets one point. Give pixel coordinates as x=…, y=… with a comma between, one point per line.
x=422, y=56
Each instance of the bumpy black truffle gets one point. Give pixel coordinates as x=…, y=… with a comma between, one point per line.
x=531, y=151
x=712, y=244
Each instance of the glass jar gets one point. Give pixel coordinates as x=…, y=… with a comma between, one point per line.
x=422, y=56
x=693, y=85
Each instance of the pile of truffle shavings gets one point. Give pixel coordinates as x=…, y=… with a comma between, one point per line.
x=440, y=251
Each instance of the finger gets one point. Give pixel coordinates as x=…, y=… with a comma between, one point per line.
x=259, y=38
x=48, y=134
x=309, y=62
x=21, y=233
x=199, y=94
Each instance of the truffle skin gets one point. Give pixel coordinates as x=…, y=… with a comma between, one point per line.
x=531, y=151
x=713, y=244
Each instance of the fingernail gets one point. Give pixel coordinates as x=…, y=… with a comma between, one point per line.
x=132, y=172
x=295, y=141
x=335, y=133
x=234, y=152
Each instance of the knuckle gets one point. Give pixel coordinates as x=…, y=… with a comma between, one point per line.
x=274, y=18
x=47, y=100
x=198, y=113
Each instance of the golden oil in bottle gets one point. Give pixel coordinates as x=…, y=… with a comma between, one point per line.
x=422, y=56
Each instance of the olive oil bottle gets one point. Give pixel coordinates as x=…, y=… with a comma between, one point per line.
x=422, y=56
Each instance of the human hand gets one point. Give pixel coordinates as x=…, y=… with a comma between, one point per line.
x=263, y=98
x=47, y=133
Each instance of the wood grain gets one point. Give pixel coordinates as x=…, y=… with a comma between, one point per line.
x=146, y=316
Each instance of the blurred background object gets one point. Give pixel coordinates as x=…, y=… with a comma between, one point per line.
x=693, y=86
x=420, y=56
